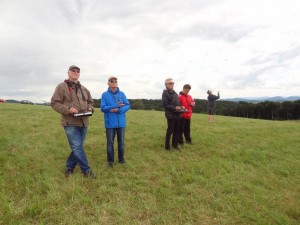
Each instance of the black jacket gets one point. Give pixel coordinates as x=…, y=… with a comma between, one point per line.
x=212, y=100
x=170, y=101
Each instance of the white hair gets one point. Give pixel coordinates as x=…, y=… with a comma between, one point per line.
x=168, y=80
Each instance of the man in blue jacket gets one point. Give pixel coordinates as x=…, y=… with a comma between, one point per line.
x=114, y=104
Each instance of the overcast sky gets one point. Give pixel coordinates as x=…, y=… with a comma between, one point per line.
x=240, y=47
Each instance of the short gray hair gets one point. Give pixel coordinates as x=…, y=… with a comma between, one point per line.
x=168, y=80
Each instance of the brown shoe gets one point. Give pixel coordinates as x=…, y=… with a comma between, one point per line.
x=68, y=172
x=89, y=175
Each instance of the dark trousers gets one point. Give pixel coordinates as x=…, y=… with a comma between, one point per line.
x=174, y=131
x=185, y=129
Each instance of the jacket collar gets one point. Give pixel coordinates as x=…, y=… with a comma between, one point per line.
x=116, y=92
x=170, y=91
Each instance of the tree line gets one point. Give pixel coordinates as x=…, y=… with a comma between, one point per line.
x=288, y=110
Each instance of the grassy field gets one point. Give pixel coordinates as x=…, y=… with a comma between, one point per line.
x=238, y=171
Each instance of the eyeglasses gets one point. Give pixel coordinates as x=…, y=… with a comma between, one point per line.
x=172, y=83
x=113, y=81
x=75, y=71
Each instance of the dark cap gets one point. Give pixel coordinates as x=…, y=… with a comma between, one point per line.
x=74, y=67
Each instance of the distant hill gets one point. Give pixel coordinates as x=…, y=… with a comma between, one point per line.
x=245, y=99
x=262, y=99
x=12, y=101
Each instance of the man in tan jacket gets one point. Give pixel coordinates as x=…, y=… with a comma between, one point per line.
x=70, y=99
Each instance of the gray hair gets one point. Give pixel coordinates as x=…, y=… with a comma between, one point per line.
x=168, y=80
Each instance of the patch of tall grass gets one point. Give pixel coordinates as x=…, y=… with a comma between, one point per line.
x=237, y=171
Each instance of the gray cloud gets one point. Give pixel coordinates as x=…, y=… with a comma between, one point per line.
x=276, y=57
x=40, y=39
x=250, y=80
x=217, y=31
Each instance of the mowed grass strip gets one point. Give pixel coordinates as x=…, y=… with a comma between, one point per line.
x=238, y=171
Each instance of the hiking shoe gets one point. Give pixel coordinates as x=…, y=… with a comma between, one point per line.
x=167, y=147
x=122, y=162
x=68, y=172
x=89, y=175
x=110, y=164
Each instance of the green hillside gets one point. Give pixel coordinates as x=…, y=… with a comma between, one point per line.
x=238, y=171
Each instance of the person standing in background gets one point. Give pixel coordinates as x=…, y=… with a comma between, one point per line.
x=114, y=105
x=69, y=98
x=211, y=104
x=185, y=122
x=172, y=113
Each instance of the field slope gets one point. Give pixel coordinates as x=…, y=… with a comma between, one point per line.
x=238, y=171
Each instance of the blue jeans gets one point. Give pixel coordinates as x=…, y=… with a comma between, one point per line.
x=76, y=137
x=110, y=137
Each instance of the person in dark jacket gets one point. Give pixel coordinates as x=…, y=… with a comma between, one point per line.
x=211, y=104
x=69, y=98
x=173, y=114
x=185, y=122
x=114, y=104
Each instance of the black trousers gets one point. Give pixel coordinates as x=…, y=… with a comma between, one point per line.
x=185, y=129
x=174, y=131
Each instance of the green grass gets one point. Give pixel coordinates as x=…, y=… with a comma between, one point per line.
x=238, y=171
